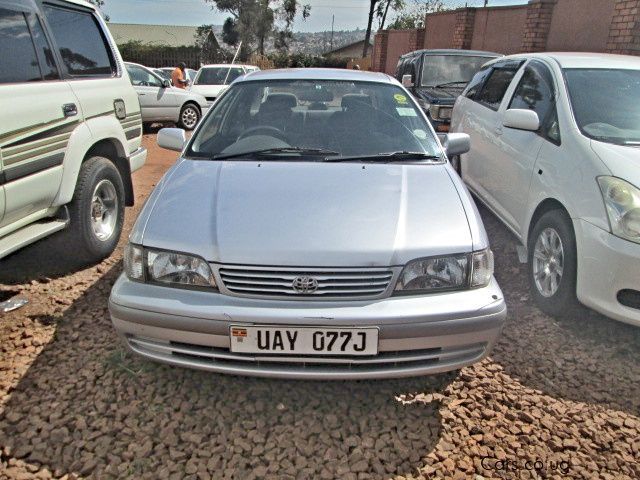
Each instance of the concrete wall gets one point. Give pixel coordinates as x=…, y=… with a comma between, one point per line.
x=580, y=25
x=439, y=28
x=499, y=29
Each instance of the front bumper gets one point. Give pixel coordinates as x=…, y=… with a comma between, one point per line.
x=137, y=159
x=606, y=265
x=417, y=335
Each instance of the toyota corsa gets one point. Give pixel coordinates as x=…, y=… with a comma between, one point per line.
x=312, y=228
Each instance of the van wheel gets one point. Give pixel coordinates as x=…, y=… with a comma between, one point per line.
x=189, y=116
x=553, y=263
x=96, y=211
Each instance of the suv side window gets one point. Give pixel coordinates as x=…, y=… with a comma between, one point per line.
x=19, y=60
x=535, y=92
x=497, y=84
x=81, y=44
x=43, y=49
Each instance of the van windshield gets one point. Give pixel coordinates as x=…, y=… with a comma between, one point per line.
x=314, y=118
x=450, y=70
x=606, y=103
x=217, y=75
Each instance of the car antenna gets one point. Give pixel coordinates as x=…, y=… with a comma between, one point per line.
x=232, y=62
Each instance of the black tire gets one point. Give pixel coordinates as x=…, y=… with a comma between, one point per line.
x=82, y=240
x=563, y=300
x=189, y=116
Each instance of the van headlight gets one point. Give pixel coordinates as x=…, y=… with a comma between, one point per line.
x=167, y=268
x=622, y=202
x=452, y=272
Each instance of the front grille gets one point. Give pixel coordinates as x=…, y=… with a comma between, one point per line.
x=328, y=283
x=211, y=99
x=213, y=357
x=629, y=298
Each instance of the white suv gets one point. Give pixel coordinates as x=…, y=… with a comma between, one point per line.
x=70, y=128
x=555, y=155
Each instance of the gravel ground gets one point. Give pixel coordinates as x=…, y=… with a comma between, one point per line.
x=556, y=399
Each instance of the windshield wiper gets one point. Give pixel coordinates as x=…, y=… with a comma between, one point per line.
x=386, y=157
x=448, y=84
x=276, y=151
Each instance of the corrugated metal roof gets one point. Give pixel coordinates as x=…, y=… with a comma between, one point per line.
x=171, y=35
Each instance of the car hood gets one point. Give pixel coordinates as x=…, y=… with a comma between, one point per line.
x=209, y=90
x=439, y=96
x=307, y=214
x=623, y=161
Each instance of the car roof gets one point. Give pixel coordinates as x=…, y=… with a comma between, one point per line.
x=81, y=2
x=584, y=59
x=452, y=51
x=317, y=74
x=225, y=65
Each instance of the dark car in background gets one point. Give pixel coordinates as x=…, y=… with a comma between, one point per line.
x=437, y=77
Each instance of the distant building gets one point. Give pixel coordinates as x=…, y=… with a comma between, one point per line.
x=352, y=50
x=169, y=35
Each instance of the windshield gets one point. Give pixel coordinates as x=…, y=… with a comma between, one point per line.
x=606, y=103
x=450, y=69
x=338, y=118
x=217, y=75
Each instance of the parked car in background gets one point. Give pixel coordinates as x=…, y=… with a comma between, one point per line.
x=160, y=102
x=437, y=77
x=166, y=72
x=295, y=240
x=70, y=129
x=555, y=156
x=212, y=80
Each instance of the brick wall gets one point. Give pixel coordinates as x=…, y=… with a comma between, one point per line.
x=558, y=25
x=624, y=34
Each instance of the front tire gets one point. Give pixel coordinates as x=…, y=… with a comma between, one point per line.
x=552, y=263
x=189, y=116
x=96, y=211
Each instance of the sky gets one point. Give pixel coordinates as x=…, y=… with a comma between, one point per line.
x=349, y=14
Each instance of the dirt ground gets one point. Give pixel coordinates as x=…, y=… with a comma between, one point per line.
x=556, y=399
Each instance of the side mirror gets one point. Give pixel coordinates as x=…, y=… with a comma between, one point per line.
x=171, y=139
x=521, y=119
x=166, y=83
x=457, y=144
x=407, y=81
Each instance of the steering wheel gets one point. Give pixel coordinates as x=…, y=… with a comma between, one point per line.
x=264, y=130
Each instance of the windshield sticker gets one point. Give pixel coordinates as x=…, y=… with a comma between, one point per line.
x=421, y=134
x=400, y=99
x=406, y=112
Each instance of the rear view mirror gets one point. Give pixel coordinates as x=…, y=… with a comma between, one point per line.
x=166, y=83
x=407, y=81
x=172, y=139
x=457, y=144
x=521, y=119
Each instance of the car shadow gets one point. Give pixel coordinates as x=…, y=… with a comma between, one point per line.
x=88, y=407
x=583, y=356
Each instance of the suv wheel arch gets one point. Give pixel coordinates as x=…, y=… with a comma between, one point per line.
x=112, y=149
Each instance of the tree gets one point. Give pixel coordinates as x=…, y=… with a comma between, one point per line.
x=206, y=41
x=253, y=22
x=367, y=36
x=99, y=4
x=412, y=15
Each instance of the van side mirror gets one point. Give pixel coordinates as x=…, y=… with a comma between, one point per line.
x=521, y=119
x=171, y=139
x=457, y=144
x=166, y=83
x=407, y=80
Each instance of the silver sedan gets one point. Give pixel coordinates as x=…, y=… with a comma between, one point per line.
x=312, y=228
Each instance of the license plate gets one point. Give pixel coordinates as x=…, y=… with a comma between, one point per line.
x=304, y=340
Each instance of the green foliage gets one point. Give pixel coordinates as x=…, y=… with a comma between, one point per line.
x=303, y=60
x=411, y=15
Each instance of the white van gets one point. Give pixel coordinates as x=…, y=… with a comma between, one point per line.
x=70, y=128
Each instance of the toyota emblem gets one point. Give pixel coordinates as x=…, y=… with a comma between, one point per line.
x=305, y=284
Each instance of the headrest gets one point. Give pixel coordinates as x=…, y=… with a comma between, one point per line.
x=281, y=100
x=356, y=100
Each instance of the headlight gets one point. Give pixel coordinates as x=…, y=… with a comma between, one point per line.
x=438, y=273
x=622, y=201
x=424, y=105
x=439, y=112
x=169, y=268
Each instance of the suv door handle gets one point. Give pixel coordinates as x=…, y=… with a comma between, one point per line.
x=69, y=109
